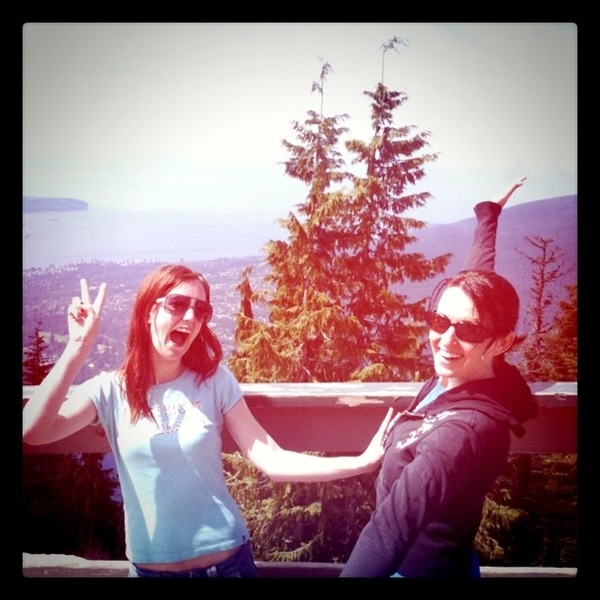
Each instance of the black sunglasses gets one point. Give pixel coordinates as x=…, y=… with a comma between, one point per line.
x=465, y=331
x=178, y=305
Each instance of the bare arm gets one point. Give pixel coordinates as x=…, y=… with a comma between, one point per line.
x=47, y=417
x=284, y=465
x=502, y=197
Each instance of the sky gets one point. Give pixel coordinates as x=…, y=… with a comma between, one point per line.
x=191, y=116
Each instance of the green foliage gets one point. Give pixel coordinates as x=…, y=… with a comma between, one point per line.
x=299, y=521
x=550, y=351
x=561, y=348
x=496, y=520
x=69, y=504
x=530, y=516
x=35, y=362
x=552, y=498
x=68, y=507
x=333, y=310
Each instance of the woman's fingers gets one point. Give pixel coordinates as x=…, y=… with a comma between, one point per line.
x=85, y=296
x=75, y=308
x=390, y=425
x=99, y=301
x=386, y=421
x=386, y=425
x=85, y=293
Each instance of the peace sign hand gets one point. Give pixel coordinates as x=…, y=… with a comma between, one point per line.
x=84, y=317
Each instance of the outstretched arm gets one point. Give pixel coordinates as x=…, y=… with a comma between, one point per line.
x=482, y=254
x=502, y=197
x=285, y=465
x=47, y=417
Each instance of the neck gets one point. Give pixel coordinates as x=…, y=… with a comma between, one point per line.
x=167, y=372
x=452, y=382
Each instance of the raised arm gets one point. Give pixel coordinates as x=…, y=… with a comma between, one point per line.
x=46, y=416
x=482, y=254
x=285, y=465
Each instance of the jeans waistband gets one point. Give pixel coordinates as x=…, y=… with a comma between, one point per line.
x=207, y=572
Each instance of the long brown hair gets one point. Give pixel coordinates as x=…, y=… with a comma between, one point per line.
x=203, y=356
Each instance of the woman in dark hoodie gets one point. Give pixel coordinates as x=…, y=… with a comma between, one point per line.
x=447, y=449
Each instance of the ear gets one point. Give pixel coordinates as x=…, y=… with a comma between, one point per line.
x=503, y=343
x=152, y=313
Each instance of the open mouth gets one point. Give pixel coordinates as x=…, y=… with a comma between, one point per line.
x=178, y=337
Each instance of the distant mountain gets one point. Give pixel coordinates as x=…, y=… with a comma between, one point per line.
x=553, y=218
x=37, y=204
x=124, y=261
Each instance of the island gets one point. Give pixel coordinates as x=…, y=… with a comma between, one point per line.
x=38, y=204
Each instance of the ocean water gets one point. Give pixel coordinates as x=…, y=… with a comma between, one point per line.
x=60, y=238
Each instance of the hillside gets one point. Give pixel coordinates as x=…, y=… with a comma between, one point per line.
x=46, y=292
x=554, y=218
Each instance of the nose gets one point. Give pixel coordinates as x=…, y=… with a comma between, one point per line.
x=449, y=335
x=188, y=315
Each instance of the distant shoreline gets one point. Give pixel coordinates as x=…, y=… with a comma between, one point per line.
x=40, y=204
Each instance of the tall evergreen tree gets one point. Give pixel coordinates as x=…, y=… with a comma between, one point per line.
x=68, y=500
x=35, y=362
x=561, y=348
x=336, y=311
x=547, y=268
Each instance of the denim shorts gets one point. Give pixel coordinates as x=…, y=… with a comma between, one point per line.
x=240, y=564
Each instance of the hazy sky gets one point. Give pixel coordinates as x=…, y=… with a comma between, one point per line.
x=191, y=116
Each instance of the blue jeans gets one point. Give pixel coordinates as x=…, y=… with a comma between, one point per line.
x=240, y=564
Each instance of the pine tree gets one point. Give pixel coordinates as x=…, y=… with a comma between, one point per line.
x=336, y=312
x=35, y=362
x=561, y=340
x=547, y=269
x=291, y=522
x=68, y=504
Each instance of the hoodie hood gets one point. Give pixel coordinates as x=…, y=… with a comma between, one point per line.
x=506, y=397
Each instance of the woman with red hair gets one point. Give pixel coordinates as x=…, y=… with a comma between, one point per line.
x=164, y=412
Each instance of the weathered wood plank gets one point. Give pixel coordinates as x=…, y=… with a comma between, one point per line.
x=61, y=565
x=342, y=417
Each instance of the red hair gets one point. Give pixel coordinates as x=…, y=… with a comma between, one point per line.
x=203, y=356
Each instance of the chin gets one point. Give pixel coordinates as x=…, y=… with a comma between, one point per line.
x=442, y=371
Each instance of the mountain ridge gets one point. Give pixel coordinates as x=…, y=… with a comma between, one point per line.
x=46, y=291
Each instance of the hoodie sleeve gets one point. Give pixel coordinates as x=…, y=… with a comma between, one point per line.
x=482, y=254
x=435, y=476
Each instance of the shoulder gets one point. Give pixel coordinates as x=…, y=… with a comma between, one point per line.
x=221, y=377
x=104, y=381
x=471, y=418
x=222, y=386
x=467, y=433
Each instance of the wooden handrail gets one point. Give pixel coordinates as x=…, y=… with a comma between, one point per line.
x=342, y=417
x=61, y=565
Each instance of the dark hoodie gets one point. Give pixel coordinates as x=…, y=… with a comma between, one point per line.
x=439, y=464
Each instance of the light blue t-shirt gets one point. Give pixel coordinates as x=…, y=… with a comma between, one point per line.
x=435, y=391
x=176, y=501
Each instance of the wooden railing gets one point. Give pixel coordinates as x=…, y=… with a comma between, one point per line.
x=341, y=418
